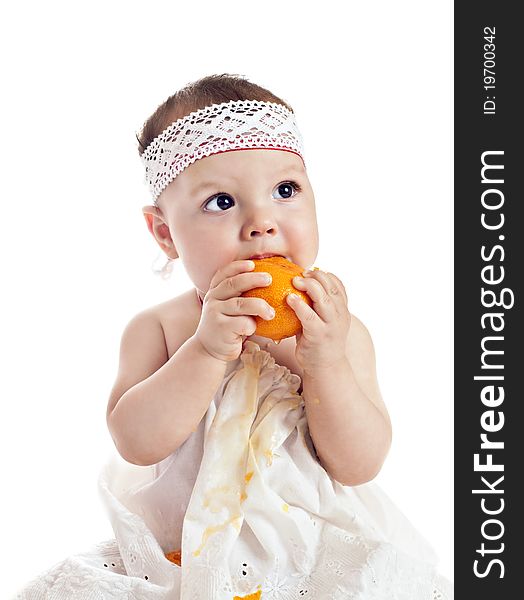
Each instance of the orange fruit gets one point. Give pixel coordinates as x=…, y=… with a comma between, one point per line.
x=285, y=322
x=175, y=557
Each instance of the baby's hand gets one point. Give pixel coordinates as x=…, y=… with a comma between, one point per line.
x=227, y=318
x=325, y=327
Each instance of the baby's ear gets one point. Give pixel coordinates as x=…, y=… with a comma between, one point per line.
x=159, y=229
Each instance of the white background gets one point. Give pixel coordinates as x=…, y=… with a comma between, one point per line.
x=371, y=84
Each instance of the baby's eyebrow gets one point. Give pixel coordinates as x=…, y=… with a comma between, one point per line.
x=204, y=185
x=292, y=169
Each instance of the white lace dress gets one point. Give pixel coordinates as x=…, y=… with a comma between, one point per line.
x=252, y=510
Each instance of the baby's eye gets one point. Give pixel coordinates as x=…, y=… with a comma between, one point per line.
x=286, y=190
x=218, y=203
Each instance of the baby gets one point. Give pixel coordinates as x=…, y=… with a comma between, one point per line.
x=216, y=214
x=246, y=462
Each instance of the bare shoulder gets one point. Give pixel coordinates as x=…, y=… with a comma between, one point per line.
x=149, y=340
x=361, y=355
x=142, y=352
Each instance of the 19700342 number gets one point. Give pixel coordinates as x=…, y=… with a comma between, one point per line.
x=489, y=58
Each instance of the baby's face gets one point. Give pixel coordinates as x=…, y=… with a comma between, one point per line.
x=238, y=205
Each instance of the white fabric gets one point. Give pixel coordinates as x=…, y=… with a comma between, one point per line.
x=254, y=512
x=234, y=125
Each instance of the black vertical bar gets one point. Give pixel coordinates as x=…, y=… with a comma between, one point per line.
x=489, y=256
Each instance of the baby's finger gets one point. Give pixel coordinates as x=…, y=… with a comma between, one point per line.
x=322, y=302
x=244, y=326
x=247, y=306
x=332, y=286
x=232, y=287
x=341, y=287
x=230, y=270
x=306, y=315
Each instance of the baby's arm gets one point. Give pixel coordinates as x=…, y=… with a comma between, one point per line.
x=156, y=403
x=348, y=420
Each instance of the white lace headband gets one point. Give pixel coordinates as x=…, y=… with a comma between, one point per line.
x=235, y=125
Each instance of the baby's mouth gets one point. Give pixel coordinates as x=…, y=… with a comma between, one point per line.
x=266, y=255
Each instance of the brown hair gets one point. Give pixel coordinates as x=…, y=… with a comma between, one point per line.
x=212, y=89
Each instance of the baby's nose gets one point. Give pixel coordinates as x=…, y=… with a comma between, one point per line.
x=264, y=230
x=260, y=227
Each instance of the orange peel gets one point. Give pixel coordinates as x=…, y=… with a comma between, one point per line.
x=285, y=322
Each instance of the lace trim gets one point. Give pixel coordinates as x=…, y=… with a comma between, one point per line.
x=235, y=125
x=262, y=361
x=362, y=573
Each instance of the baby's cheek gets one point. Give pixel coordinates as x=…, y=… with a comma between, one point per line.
x=200, y=274
x=306, y=249
x=305, y=236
